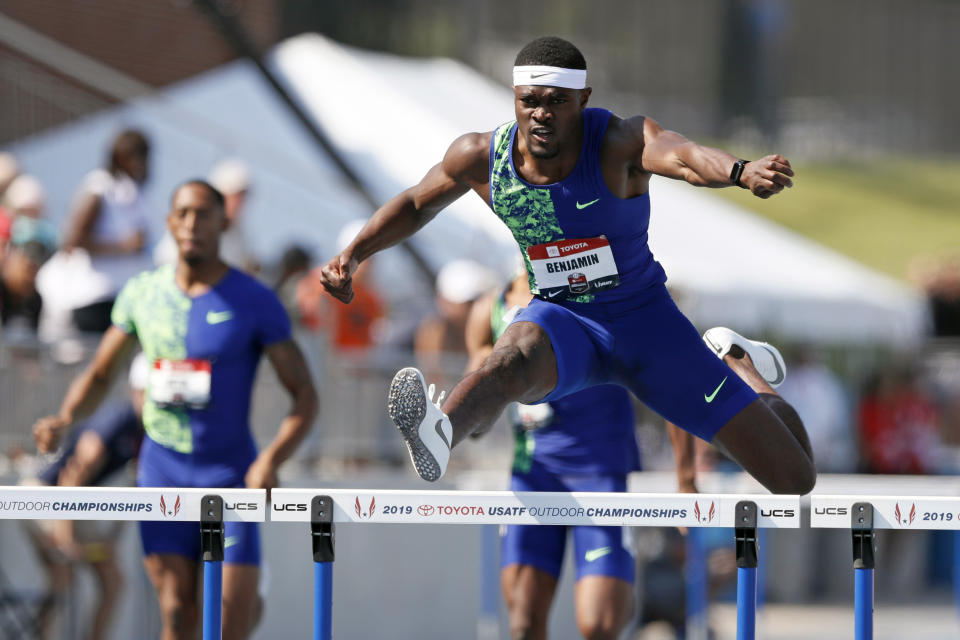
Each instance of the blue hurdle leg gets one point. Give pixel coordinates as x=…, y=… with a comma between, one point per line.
x=321, y=534
x=748, y=555
x=863, y=604
x=211, y=551
x=746, y=603
x=956, y=569
x=861, y=523
x=322, y=600
x=212, y=599
x=696, y=579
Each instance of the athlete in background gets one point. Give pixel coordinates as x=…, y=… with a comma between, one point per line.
x=203, y=326
x=583, y=442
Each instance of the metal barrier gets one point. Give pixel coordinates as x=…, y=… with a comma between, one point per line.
x=209, y=507
x=745, y=513
x=864, y=514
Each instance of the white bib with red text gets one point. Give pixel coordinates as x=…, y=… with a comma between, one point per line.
x=180, y=383
x=570, y=268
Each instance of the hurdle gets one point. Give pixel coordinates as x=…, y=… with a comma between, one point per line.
x=862, y=515
x=209, y=507
x=324, y=508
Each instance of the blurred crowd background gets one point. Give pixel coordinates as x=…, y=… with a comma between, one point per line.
x=861, y=93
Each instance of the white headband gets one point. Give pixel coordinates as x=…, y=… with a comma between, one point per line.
x=550, y=77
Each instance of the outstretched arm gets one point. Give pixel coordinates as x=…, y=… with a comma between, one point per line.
x=291, y=368
x=667, y=153
x=464, y=164
x=87, y=390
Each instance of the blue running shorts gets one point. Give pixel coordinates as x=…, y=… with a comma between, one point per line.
x=241, y=539
x=647, y=345
x=599, y=551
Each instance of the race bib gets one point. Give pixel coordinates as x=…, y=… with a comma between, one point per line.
x=530, y=417
x=180, y=383
x=569, y=268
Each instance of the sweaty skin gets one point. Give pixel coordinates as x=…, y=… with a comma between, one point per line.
x=522, y=366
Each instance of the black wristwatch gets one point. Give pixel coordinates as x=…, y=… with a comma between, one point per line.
x=737, y=171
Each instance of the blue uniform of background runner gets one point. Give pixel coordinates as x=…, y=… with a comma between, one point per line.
x=118, y=427
x=589, y=444
x=228, y=327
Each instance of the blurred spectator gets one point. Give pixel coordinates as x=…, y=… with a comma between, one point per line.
x=20, y=303
x=8, y=171
x=899, y=435
x=939, y=278
x=25, y=196
x=899, y=429
x=441, y=334
x=294, y=266
x=109, y=222
x=355, y=416
x=26, y=205
x=95, y=454
x=230, y=177
x=822, y=403
x=350, y=326
x=6, y=223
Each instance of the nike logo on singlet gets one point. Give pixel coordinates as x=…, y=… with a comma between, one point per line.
x=596, y=554
x=709, y=398
x=587, y=204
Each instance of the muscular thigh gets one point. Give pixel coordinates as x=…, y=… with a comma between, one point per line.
x=577, y=356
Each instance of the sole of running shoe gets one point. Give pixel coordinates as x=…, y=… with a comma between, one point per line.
x=407, y=406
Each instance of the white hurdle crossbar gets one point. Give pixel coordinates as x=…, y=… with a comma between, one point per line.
x=371, y=506
x=126, y=503
x=209, y=508
x=744, y=513
x=862, y=514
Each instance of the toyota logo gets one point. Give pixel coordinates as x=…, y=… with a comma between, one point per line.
x=425, y=510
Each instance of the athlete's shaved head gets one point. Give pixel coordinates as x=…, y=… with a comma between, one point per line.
x=198, y=182
x=550, y=51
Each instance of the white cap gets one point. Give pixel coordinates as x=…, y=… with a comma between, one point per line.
x=465, y=280
x=230, y=176
x=25, y=192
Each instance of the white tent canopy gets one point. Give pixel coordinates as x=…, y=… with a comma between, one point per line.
x=393, y=118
